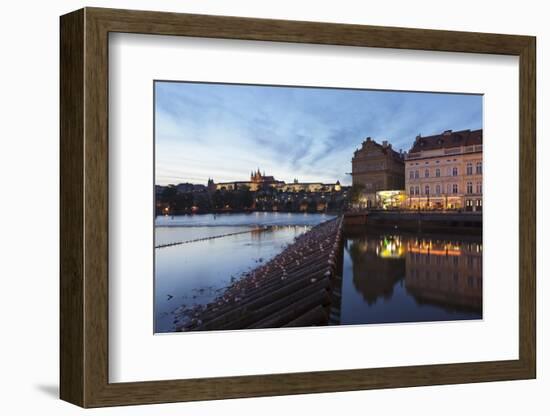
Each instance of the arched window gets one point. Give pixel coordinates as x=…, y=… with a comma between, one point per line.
x=438, y=172
x=469, y=169
x=478, y=168
x=469, y=188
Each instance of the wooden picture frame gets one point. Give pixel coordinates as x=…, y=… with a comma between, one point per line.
x=84, y=207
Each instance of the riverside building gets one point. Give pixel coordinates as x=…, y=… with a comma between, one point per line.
x=445, y=171
x=379, y=171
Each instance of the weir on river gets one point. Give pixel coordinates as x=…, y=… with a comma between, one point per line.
x=301, y=286
x=213, y=237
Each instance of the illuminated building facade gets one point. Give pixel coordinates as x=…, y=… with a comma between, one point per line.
x=260, y=181
x=445, y=171
x=377, y=167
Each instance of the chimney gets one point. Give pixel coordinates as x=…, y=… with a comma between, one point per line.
x=385, y=143
x=447, y=132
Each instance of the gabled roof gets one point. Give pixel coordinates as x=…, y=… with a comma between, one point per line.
x=448, y=139
x=386, y=148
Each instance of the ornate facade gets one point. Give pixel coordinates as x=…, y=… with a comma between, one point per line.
x=377, y=167
x=445, y=171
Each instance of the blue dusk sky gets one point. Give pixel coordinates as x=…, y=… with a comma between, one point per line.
x=224, y=131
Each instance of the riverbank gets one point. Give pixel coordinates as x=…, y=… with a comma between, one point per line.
x=295, y=288
x=418, y=221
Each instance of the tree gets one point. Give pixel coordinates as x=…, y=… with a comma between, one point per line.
x=168, y=193
x=356, y=192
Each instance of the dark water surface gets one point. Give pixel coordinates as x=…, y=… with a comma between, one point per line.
x=387, y=277
x=394, y=277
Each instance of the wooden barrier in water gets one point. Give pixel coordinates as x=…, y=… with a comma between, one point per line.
x=299, y=287
x=212, y=237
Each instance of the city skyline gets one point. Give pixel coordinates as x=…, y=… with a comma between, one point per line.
x=223, y=131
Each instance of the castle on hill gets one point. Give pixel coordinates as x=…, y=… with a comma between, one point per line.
x=260, y=181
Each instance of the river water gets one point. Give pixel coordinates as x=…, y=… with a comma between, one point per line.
x=387, y=277
x=397, y=277
x=196, y=272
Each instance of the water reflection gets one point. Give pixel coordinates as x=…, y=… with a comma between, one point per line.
x=196, y=272
x=445, y=272
x=377, y=266
x=403, y=278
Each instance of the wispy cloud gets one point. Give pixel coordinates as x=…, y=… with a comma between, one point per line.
x=224, y=131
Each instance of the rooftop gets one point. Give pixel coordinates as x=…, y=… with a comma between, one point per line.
x=448, y=139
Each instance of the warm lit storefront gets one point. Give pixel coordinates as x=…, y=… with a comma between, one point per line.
x=391, y=199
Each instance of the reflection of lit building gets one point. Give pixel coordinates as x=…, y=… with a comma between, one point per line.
x=445, y=171
x=390, y=247
x=445, y=272
x=442, y=272
x=376, y=267
x=376, y=167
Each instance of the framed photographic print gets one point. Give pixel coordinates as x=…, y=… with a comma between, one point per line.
x=255, y=207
